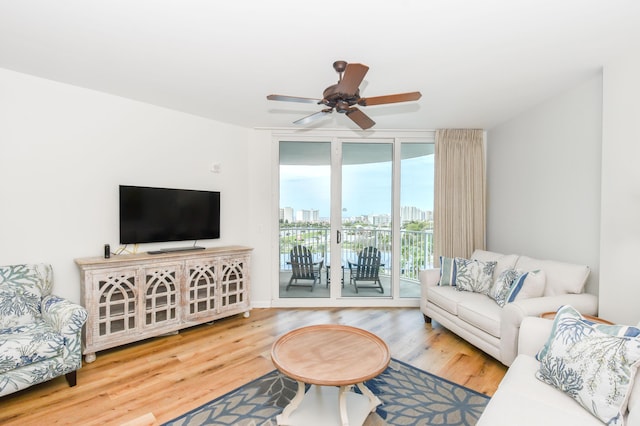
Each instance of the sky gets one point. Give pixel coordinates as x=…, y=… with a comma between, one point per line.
x=366, y=187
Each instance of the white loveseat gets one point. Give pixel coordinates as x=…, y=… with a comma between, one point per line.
x=482, y=322
x=523, y=400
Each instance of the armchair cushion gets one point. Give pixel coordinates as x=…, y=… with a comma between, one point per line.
x=28, y=344
x=21, y=290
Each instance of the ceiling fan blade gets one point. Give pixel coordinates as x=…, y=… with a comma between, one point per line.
x=353, y=76
x=360, y=118
x=313, y=117
x=390, y=99
x=292, y=99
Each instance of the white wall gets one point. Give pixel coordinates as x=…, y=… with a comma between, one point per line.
x=264, y=214
x=63, y=152
x=620, y=226
x=543, y=180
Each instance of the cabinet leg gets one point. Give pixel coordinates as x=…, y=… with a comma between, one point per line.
x=89, y=358
x=246, y=314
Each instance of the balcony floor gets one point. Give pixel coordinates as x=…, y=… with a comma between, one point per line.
x=408, y=288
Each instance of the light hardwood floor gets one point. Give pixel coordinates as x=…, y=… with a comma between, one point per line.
x=151, y=382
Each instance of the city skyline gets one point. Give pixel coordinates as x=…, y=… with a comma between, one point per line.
x=407, y=213
x=366, y=187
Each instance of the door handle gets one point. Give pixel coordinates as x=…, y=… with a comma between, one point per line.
x=338, y=236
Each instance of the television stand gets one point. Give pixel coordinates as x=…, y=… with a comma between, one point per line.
x=131, y=297
x=175, y=249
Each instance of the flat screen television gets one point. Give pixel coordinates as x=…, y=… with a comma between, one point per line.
x=154, y=215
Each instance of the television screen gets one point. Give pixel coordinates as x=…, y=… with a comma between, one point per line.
x=152, y=215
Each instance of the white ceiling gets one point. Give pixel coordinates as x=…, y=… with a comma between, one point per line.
x=477, y=63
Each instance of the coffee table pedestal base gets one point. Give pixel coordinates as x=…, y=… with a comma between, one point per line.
x=328, y=405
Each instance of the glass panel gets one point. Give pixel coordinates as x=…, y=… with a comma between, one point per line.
x=366, y=219
x=305, y=200
x=416, y=214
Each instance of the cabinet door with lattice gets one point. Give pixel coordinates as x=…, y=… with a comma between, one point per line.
x=234, y=283
x=201, y=288
x=161, y=298
x=115, y=296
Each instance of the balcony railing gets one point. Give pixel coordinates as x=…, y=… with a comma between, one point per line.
x=416, y=247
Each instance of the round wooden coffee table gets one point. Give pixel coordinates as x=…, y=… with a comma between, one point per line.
x=332, y=358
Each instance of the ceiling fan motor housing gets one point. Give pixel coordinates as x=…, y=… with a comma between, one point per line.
x=340, y=101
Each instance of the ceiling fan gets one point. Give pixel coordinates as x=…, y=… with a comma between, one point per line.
x=344, y=95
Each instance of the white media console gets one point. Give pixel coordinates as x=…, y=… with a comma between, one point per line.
x=138, y=296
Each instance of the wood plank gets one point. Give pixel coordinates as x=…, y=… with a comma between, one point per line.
x=156, y=380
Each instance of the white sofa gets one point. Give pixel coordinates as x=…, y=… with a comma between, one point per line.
x=522, y=399
x=482, y=322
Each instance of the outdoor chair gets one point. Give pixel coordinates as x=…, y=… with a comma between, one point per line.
x=304, y=268
x=367, y=269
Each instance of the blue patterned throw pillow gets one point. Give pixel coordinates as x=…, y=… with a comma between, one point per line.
x=474, y=275
x=595, y=364
x=500, y=289
x=447, y=271
x=527, y=285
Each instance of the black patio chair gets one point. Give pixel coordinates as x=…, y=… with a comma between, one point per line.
x=367, y=269
x=303, y=267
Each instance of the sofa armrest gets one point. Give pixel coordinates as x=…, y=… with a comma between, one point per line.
x=534, y=333
x=428, y=278
x=63, y=315
x=513, y=314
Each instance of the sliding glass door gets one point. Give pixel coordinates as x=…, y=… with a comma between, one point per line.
x=305, y=202
x=367, y=226
x=355, y=218
x=416, y=214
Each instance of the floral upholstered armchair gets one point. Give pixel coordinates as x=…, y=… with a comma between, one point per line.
x=40, y=333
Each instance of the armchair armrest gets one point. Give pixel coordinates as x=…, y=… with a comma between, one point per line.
x=513, y=314
x=63, y=315
x=534, y=333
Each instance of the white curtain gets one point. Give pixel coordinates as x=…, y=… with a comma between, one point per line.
x=459, y=205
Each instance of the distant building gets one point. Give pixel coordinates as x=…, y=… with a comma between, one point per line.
x=286, y=214
x=414, y=214
x=312, y=216
x=381, y=220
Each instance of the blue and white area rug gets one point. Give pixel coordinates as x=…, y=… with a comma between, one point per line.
x=409, y=396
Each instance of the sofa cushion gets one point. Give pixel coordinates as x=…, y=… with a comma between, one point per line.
x=474, y=275
x=594, y=367
x=561, y=277
x=482, y=313
x=504, y=261
x=524, y=401
x=448, y=298
x=21, y=290
x=27, y=344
